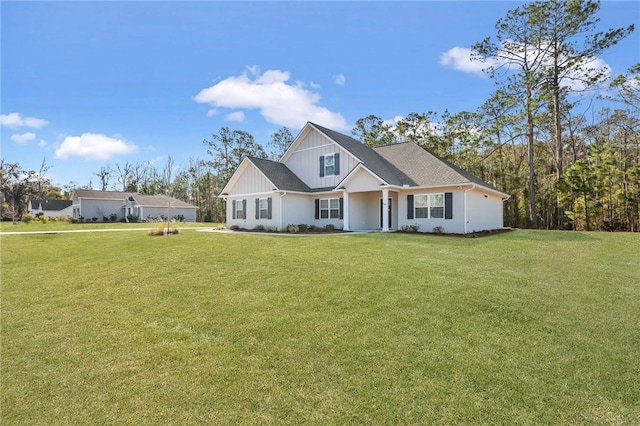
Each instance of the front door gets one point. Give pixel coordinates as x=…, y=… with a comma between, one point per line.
x=390, y=210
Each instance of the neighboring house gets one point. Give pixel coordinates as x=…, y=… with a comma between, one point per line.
x=50, y=208
x=99, y=204
x=326, y=177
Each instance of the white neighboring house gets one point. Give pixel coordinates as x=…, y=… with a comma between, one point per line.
x=99, y=204
x=50, y=208
x=326, y=177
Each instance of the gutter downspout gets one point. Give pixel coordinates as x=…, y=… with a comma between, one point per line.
x=465, y=206
x=281, y=197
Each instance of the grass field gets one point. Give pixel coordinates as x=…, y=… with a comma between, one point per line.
x=526, y=327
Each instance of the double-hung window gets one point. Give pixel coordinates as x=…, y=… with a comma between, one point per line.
x=429, y=206
x=330, y=165
x=239, y=209
x=264, y=208
x=330, y=208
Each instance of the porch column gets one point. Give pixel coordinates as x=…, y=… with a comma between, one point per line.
x=345, y=211
x=385, y=210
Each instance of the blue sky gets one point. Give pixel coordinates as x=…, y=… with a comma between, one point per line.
x=87, y=84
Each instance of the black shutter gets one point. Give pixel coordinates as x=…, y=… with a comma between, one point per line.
x=269, y=205
x=448, y=205
x=233, y=209
x=409, y=206
x=257, y=208
x=244, y=209
x=317, y=208
x=341, y=206
x=322, y=166
x=336, y=163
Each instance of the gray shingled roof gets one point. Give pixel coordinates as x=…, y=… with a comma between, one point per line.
x=56, y=205
x=103, y=195
x=375, y=162
x=280, y=175
x=425, y=168
x=159, y=200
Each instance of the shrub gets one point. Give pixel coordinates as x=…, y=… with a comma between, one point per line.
x=293, y=229
x=303, y=227
x=27, y=217
x=410, y=228
x=69, y=219
x=259, y=228
x=42, y=218
x=234, y=227
x=161, y=229
x=438, y=229
x=133, y=218
x=105, y=218
x=179, y=218
x=271, y=229
x=53, y=219
x=113, y=217
x=330, y=228
x=94, y=219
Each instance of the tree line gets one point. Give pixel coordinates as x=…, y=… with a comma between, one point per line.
x=565, y=164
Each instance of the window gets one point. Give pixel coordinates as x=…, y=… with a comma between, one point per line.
x=436, y=206
x=239, y=209
x=330, y=165
x=429, y=206
x=330, y=208
x=264, y=208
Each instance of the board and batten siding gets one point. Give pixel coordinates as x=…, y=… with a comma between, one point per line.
x=305, y=160
x=251, y=181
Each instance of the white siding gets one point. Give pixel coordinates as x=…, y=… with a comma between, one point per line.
x=297, y=209
x=251, y=222
x=305, y=160
x=453, y=226
x=484, y=211
x=362, y=180
x=251, y=181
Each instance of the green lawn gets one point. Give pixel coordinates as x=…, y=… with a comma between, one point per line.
x=64, y=226
x=527, y=327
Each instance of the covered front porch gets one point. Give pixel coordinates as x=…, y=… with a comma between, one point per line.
x=370, y=210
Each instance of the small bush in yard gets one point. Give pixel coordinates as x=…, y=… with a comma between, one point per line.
x=234, y=227
x=293, y=229
x=27, y=217
x=258, y=228
x=271, y=229
x=161, y=229
x=330, y=228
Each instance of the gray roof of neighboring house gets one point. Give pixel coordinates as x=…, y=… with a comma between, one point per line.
x=159, y=200
x=54, y=205
x=280, y=175
x=425, y=168
x=375, y=162
x=103, y=195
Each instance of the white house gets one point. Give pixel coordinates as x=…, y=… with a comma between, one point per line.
x=326, y=177
x=50, y=208
x=100, y=204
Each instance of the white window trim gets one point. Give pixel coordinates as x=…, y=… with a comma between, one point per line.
x=428, y=207
x=266, y=208
x=329, y=209
x=333, y=158
x=239, y=209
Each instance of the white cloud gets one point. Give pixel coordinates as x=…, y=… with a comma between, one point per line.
x=235, y=116
x=279, y=103
x=156, y=160
x=42, y=142
x=212, y=112
x=459, y=58
x=15, y=119
x=93, y=146
x=23, y=138
x=339, y=79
